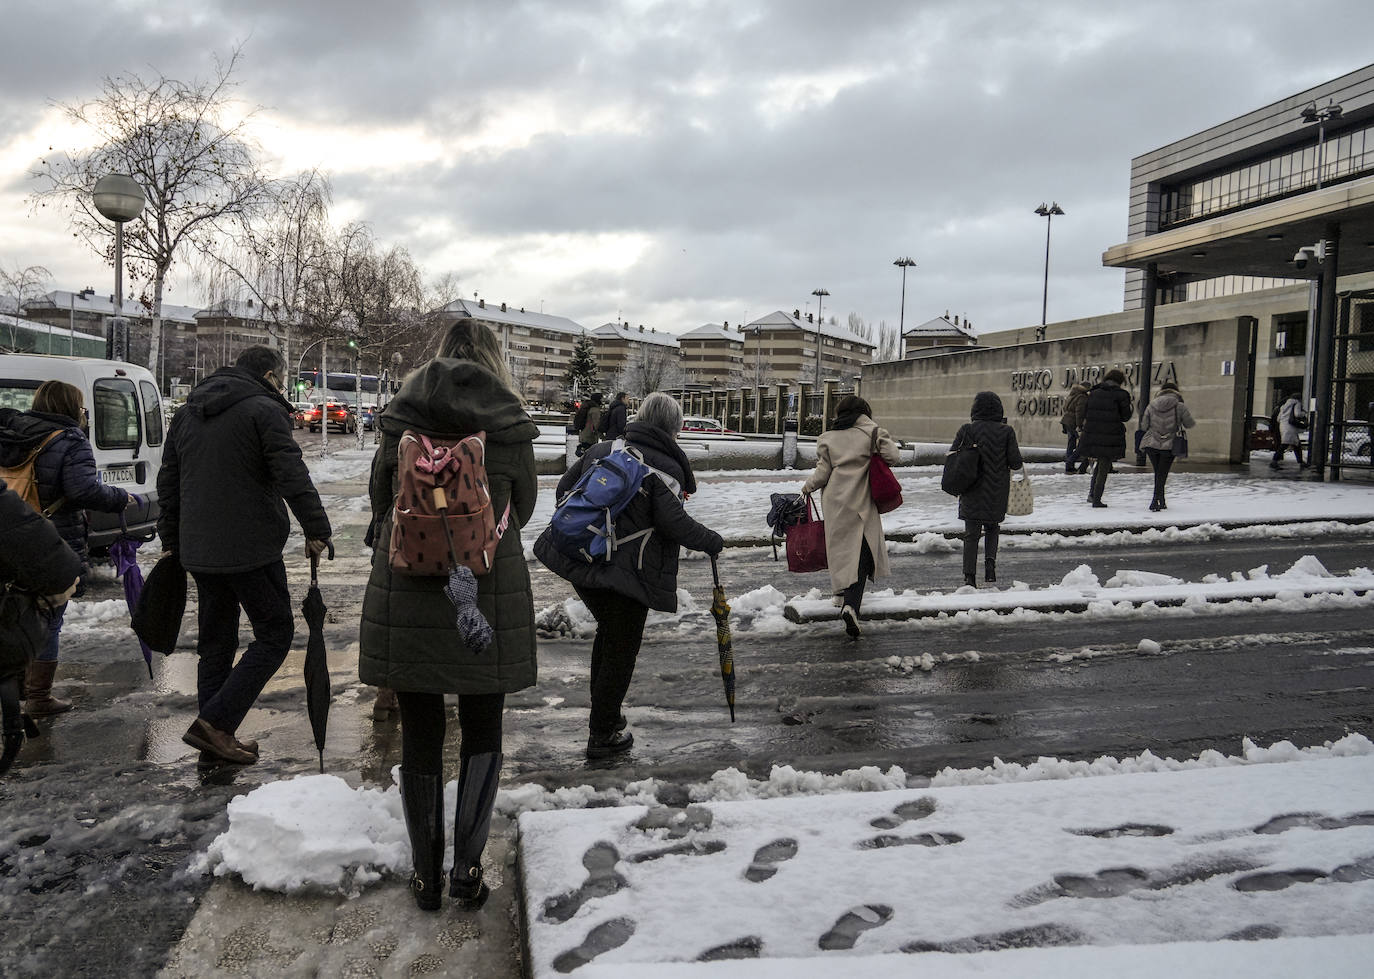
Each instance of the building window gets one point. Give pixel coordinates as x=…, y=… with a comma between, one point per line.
x=1290, y=335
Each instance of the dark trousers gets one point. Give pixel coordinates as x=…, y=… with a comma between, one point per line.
x=227, y=692
x=1161, y=462
x=1101, y=470
x=423, y=721
x=1071, y=453
x=619, y=632
x=990, y=532
x=854, y=594
x=1297, y=453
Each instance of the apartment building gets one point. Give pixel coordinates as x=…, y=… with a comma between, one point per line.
x=621, y=347
x=538, y=346
x=784, y=349
x=712, y=356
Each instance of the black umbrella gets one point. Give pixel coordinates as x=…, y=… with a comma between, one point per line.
x=720, y=609
x=16, y=723
x=316, y=664
x=161, y=606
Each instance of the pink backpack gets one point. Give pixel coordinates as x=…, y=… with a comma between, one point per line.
x=443, y=515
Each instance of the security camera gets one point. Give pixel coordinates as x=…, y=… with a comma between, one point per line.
x=1300, y=259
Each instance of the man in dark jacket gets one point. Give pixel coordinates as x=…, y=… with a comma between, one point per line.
x=613, y=425
x=620, y=591
x=38, y=572
x=229, y=462
x=1071, y=422
x=1104, y=429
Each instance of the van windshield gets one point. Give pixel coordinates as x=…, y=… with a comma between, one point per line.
x=115, y=421
x=17, y=393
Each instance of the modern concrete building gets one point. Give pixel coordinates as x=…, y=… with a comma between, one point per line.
x=1226, y=230
x=712, y=356
x=788, y=346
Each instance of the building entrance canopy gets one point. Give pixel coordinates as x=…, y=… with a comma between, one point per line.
x=1262, y=240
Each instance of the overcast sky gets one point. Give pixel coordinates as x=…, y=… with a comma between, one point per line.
x=692, y=161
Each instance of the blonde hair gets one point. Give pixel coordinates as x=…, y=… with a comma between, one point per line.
x=468, y=339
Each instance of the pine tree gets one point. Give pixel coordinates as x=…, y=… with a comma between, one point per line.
x=582, y=368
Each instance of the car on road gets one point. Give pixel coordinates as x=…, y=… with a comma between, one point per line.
x=337, y=416
x=1355, y=441
x=367, y=416
x=704, y=426
x=1262, y=436
x=300, y=413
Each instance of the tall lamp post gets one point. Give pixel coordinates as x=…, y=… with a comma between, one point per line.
x=820, y=295
x=1048, y=214
x=119, y=198
x=904, y=263
x=1321, y=117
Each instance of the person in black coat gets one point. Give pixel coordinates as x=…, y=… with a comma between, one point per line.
x=68, y=485
x=613, y=425
x=620, y=591
x=983, y=506
x=230, y=460
x=1104, y=429
x=38, y=572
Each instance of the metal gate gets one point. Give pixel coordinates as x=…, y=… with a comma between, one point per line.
x=1353, y=389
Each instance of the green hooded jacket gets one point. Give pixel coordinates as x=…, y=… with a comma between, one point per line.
x=408, y=637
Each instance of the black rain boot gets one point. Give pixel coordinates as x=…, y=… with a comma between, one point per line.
x=422, y=800
x=478, y=777
x=990, y=572
x=971, y=581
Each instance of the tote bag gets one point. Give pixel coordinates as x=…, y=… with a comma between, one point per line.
x=882, y=484
x=1180, y=445
x=961, y=469
x=1020, y=499
x=806, y=542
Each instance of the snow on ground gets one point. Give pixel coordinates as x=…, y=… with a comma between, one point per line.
x=1120, y=859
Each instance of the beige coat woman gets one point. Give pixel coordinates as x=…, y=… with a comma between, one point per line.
x=850, y=516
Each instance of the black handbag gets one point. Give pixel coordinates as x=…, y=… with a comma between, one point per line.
x=24, y=624
x=961, y=468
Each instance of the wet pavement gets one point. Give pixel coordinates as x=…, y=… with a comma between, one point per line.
x=104, y=813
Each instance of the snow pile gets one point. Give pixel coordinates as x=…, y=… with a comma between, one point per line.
x=1081, y=578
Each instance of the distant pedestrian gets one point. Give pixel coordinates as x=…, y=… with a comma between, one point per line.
x=1104, y=429
x=1164, y=416
x=983, y=506
x=409, y=636
x=613, y=426
x=230, y=461
x=1072, y=423
x=620, y=591
x=854, y=544
x=588, y=422
x=68, y=485
x=1292, y=420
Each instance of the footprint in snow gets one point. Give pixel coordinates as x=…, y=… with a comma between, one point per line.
x=853, y=923
x=907, y=811
x=768, y=857
x=602, y=881
x=601, y=939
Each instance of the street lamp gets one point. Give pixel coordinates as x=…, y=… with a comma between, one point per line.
x=1321, y=117
x=820, y=295
x=119, y=198
x=904, y=263
x=1048, y=214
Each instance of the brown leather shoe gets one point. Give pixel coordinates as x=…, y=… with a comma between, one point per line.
x=223, y=746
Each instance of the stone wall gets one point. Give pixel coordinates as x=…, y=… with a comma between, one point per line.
x=927, y=399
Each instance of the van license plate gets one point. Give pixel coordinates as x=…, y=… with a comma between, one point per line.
x=118, y=474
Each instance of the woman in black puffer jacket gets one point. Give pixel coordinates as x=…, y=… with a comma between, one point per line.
x=983, y=506
x=1104, y=429
x=68, y=486
x=620, y=591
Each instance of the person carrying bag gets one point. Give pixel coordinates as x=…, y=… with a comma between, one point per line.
x=983, y=505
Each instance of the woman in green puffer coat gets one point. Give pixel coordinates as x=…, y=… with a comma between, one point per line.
x=409, y=637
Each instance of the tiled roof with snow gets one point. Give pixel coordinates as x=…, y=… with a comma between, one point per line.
x=780, y=320
x=515, y=317
x=939, y=327
x=638, y=334
x=712, y=331
x=103, y=305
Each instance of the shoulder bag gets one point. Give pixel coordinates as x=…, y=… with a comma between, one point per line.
x=806, y=542
x=882, y=484
x=1020, y=499
x=1180, y=446
x=961, y=468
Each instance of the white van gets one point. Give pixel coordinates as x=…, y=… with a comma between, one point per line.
x=125, y=427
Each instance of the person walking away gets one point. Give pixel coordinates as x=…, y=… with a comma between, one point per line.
x=589, y=423
x=68, y=485
x=1072, y=422
x=613, y=425
x=1164, y=416
x=38, y=573
x=854, y=545
x=620, y=590
x=1104, y=429
x=409, y=636
x=983, y=506
x=230, y=461
x=1292, y=420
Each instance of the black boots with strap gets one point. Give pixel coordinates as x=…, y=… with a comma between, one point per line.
x=478, y=778
x=422, y=800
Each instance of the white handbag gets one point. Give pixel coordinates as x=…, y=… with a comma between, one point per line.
x=1020, y=499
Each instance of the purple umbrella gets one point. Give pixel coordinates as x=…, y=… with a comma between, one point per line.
x=124, y=556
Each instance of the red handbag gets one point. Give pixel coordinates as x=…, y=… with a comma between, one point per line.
x=806, y=542
x=882, y=484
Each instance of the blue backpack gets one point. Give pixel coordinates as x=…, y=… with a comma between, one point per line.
x=583, y=525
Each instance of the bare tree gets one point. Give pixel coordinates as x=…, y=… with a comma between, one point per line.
x=22, y=285
x=651, y=368
x=857, y=326
x=382, y=295
x=196, y=165
x=889, y=345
